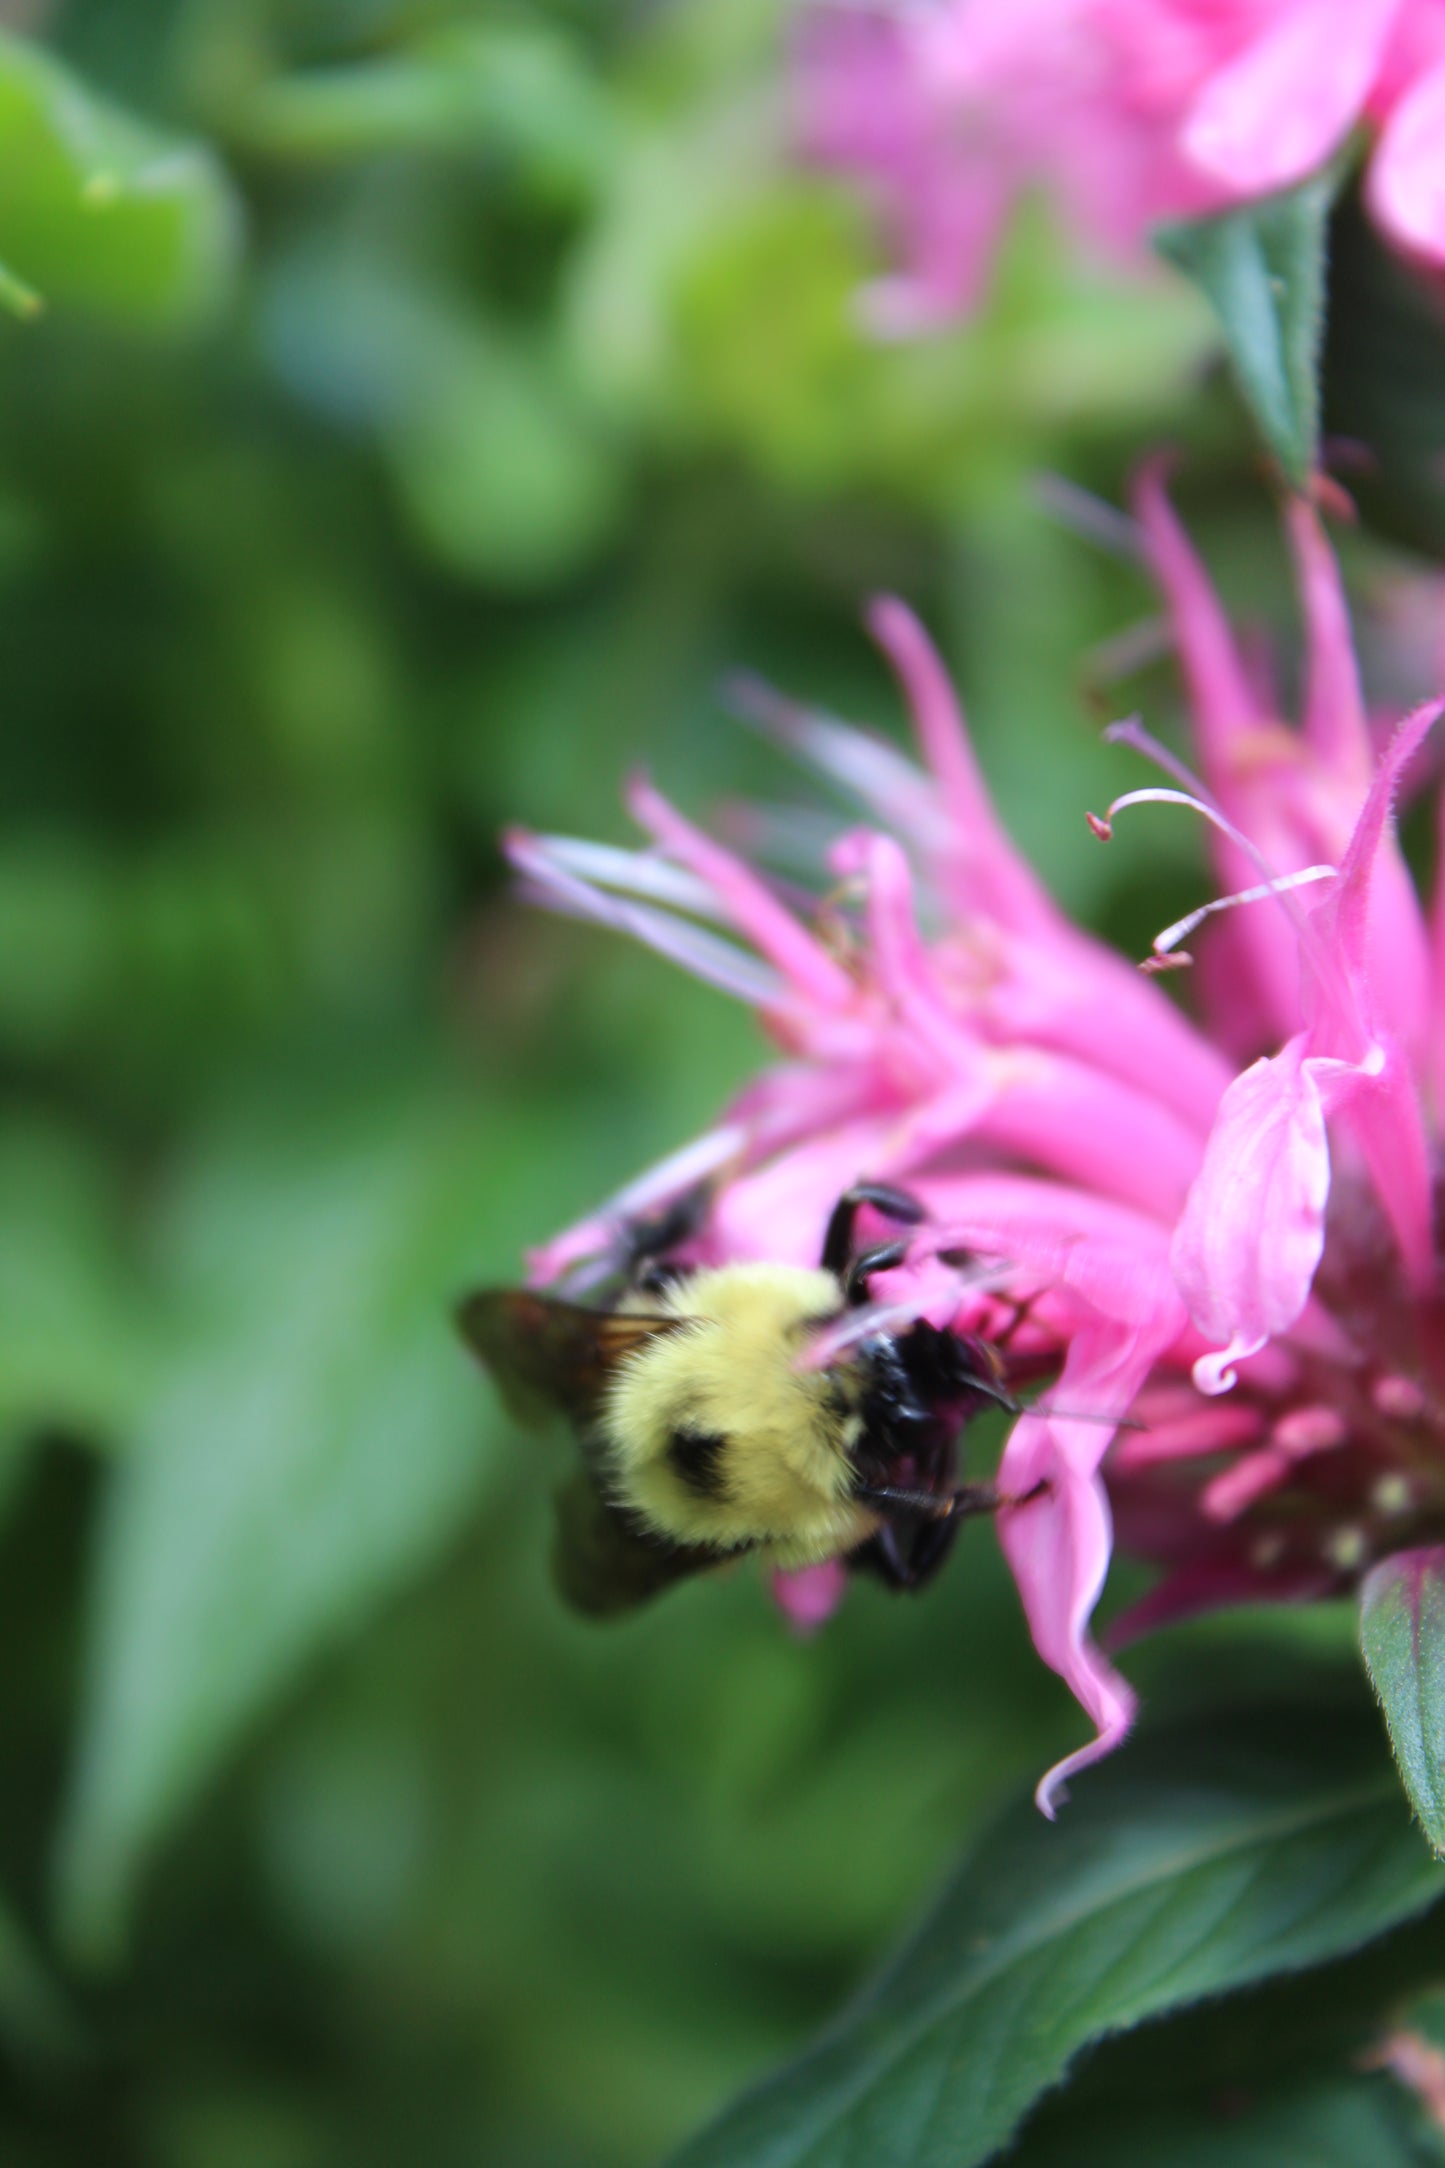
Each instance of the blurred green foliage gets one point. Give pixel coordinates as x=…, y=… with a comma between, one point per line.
x=429, y=403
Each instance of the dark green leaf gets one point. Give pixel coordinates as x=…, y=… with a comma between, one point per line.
x=319, y=1438
x=517, y=93
x=98, y=211
x=35, y=2022
x=1330, y=2120
x=1384, y=381
x=1402, y=1632
x=1191, y=1864
x=77, y=1346
x=1263, y=269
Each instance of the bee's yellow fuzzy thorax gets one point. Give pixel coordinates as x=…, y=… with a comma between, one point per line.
x=714, y=1434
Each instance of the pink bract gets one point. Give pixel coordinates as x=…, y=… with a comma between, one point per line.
x=1127, y=112
x=1221, y=1229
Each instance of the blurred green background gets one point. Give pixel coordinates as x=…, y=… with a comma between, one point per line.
x=409, y=411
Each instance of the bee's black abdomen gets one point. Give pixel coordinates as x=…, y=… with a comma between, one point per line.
x=699, y=1459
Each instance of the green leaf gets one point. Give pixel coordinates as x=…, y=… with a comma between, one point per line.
x=319, y=1438
x=100, y=212
x=1191, y=1864
x=1402, y=1632
x=519, y=93
x=1330, y=2120
x=1262, y=268
x=1384, y=381
x=77, y=1344
x=36, y=2023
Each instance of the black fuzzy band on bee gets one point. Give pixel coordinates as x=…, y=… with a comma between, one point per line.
x=699, y=1459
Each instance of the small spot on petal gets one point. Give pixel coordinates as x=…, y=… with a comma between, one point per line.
x=1347, y=1549
x=1392, y=1494
x=1309, y=1430
x=1398, y=1398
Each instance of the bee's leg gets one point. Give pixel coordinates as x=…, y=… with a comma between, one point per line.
x=894, y=1204
x=860, y=1272
x=883, y=1556
x=905, y=1565
x=931, y=1525
x=647, y=1242
x=958, y=1504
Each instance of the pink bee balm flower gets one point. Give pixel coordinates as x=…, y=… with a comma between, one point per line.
x=1128, y=112
x=1220, y=1230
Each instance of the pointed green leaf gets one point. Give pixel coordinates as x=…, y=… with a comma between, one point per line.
x=1262, y=268
x=98, y=211
x=318, y=1437
x=1402, y=1632
x=1191, y=1864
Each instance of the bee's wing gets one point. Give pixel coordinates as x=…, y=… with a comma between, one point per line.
x=604, y=1563
x=546, y=1354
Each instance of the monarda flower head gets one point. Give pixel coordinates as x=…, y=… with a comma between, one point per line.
x=1218, y=1234
x=1127, y=112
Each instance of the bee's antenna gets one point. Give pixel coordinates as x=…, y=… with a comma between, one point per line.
x=1078, y=1415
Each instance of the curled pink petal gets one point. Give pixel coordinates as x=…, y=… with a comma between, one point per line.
x=1253, y=1229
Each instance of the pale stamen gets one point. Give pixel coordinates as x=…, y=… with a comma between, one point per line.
x=1275, y=885
x=1168, y=956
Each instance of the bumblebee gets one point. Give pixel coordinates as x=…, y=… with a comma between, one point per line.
x=705, y=1432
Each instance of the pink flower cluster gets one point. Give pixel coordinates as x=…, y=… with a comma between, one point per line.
x=1127, y=112
x=1222, y=1228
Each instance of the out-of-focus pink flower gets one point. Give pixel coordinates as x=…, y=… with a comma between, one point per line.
x=1127, y=112
x=1222, y=1230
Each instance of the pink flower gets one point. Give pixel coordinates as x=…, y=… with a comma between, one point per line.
x=1222, y=1230
x=1127, y=112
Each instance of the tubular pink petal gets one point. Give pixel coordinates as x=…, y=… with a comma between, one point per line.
x=730, y=969
x=630, y=873
x=752, y=909
x=1214, y=1585
x=1348, y=904
x=1278, y=110
x=871, y=769
x=903, y=966
x=1216, y=1429
x=810, y=1595
x=1334, y=716
x=1382, y=1107
x=1094, y=1128
x=1437, y=965
x=1405, y=185
x=1006, y=883
x=1253, y=1229
x=1223, y=703
x=1057, y=993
